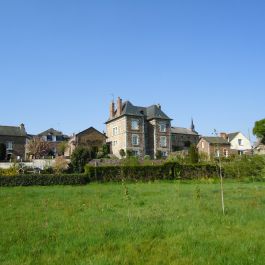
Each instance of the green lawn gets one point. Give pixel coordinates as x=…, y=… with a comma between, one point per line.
x=145, y=223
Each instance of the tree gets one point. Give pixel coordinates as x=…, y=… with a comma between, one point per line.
x=37, y=147
x=2, y=151
x=259, y=130
x=79, y=158
x=62, y=147
x=193, y=154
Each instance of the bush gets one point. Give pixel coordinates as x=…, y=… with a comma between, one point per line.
x=43, y=180
x=122, y=153
x=79, y=158
x=193, y=154
x=244, y=166
x=60, y=164
x=9, y=171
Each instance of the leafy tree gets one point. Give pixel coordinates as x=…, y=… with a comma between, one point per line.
x=38, y=147
x=2, y=151
x=259, y=130
x=105, y=149
x=62, y=147
x=79, y=158
x=193, y=154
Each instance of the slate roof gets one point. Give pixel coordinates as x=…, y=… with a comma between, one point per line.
x=90, y=129
x=151, y=112
x=231, y=136
x=216, y=140
x=51, y=131
x=12, y=131
x=180, y=130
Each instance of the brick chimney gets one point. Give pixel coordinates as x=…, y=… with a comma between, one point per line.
x=223, y=135
x=119, y=106
x=112, y=110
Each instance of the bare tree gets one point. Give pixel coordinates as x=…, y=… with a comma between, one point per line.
x=37, y=147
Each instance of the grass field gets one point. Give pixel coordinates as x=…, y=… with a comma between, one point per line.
x=142, y=223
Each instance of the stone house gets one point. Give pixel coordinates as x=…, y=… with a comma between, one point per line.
x=90, y=138
x=54, y=138
x=14, y=138
x=214, y=146
x=183, y=138
x=141, y=130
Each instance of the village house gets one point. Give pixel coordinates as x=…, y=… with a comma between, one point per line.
x=54, y=138
x=183, y=138
x=14, y=138
x=214, y=146
x=141, y=130
x=90, y=138
x=239, y=143
x=259, y=148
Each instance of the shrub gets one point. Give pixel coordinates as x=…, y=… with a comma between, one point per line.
x=9, y=171
x=43, y=180
x=122, y=153
x=159, y=155
x=60, y=164
x=244, y=166
x=193, y=154
x=79, y=158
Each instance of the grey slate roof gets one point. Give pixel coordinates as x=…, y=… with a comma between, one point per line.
x=151, y=112
x=91, y=129
x=180, y=130
x=231, y=136
x=51, y=131
x=12, y=131
x=215, y=140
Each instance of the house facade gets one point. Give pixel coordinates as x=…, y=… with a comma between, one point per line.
x=214, y=146
x=14, y=138
x=90, y=138
x=259, y=148
x=54, y=138
x=183, y=138
x=141, y=130
x=240, y=144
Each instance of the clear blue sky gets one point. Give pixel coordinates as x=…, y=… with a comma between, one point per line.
x=61, y=60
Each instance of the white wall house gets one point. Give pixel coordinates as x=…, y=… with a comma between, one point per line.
x=239, y=143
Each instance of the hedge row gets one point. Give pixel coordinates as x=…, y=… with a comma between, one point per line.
x=167, y=171
x=43, y=180
x=153, y=172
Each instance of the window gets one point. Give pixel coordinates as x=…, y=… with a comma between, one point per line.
x=217, y=153
x=202, y=145
x=9, y=146
x=164, y=154
x=115, y=131
x=135, y=139
x=162, y=127
x=135, y=124
x=163, y=141
x=239, y=141
x=49, y=138
x=115, y=143
x=135, y=153
x=225, y=153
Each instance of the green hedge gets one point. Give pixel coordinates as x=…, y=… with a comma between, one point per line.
x=167, y=171
x=43, y=180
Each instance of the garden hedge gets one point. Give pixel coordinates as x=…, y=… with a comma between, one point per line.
x=44, y=180
x=167, y=171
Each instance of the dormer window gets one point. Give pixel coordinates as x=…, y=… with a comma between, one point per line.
x=135, y=124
